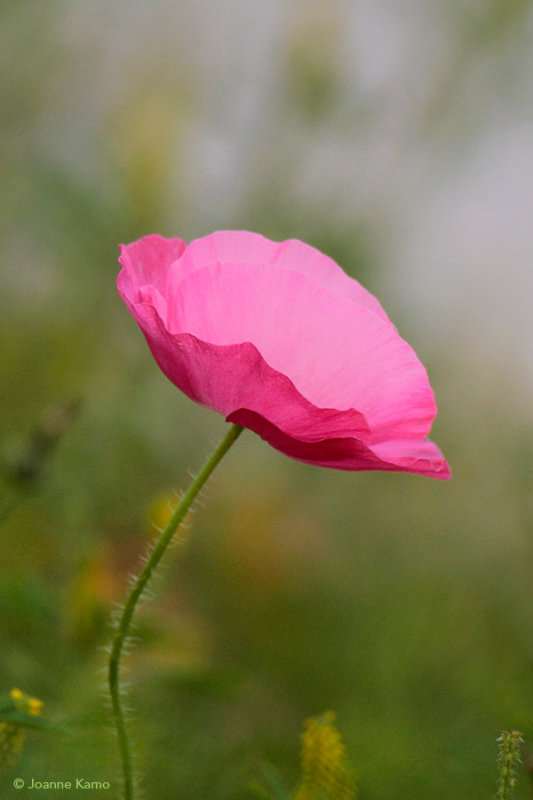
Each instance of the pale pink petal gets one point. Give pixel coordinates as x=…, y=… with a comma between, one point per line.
x=244, y=247
x=294, y=254
x=336, y=355
x=234, y=247
x=422, y=456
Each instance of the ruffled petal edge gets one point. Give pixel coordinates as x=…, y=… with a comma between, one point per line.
x=350, y=453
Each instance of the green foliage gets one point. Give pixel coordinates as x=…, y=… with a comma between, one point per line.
x=270, y=787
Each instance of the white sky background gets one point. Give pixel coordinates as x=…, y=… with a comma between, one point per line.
x=455, y=201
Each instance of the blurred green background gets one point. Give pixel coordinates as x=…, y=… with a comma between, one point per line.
x=398, y=140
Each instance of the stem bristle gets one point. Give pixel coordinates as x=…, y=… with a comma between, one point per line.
x=139, y=594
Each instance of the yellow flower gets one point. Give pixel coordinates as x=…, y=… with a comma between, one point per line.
x=11, y=732
x=325, y=774
x=11, y=742
x=24, y=702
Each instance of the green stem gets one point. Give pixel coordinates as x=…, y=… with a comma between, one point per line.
x=136, y=591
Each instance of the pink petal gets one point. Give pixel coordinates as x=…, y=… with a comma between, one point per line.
x=422, y=456
x=232, y=377
x=279, y=339
x=145, y=265
x=337, y=355
x=244, y=247
x=350, y=453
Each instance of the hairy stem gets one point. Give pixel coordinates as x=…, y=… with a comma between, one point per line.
x=136, y=591
x=508, y=759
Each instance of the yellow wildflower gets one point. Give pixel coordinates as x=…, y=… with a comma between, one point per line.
x=11, y=742
x=12, y=733
x=24, y=702
x=325, y=774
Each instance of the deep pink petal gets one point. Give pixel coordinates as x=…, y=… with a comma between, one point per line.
x=336, y=355
x=232, y=377
x=349, y=453
x=147, y=260
x=145, y=264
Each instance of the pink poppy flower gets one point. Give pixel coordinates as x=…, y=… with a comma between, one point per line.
x=277, y=338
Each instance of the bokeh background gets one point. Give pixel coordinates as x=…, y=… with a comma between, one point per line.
x=396, y=137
